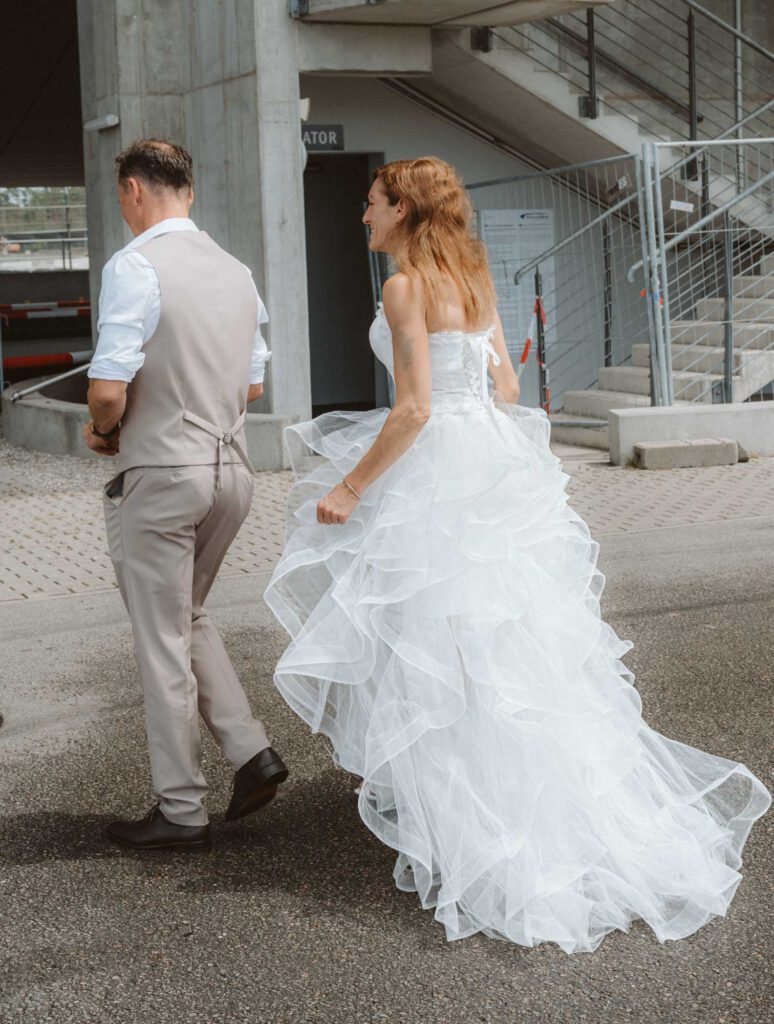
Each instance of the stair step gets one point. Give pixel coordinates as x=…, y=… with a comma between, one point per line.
x=751, y=286
x=744, y=309
x=712, y=333
x=696, y=358
x=571, y=430
x=766, y=265
x=598, y=402
x=635, y=379
x=692, y=386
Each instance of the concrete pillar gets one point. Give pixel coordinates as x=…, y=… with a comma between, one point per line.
x=223, y=80
x=280, y=194
x=131, y=64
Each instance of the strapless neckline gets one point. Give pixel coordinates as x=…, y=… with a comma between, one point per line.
x=440, y=334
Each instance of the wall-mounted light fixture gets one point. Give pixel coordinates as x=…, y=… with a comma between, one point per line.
x=99, y=124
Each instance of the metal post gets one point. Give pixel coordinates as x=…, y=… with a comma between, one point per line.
x=2, y=371
x=738, y=94
x=589, y=105
x=607, y=293
x=659, y=371
x=67, y=228
x=691, y=168
x=705, y=183
x=638, y=161
x=545, y=394
x=666, y=320
x=728, y=332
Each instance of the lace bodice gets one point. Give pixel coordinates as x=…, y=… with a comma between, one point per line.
x=458, y=360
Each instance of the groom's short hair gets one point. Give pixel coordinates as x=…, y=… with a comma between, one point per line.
x=158, y=162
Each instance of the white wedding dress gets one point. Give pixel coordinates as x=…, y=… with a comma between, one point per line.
x=448, y=641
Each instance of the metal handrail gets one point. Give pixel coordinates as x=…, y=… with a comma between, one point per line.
x=669, y=101
x=694, y=228
x=49, y=380
x=730, y=29
x=667, y=171
x=63, y=236
x=553, y=28
x=582, y=47
x=537, y=260
x=546, y=172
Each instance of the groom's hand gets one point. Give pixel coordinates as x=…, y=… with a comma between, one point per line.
x=337, y=506
x=100, y=445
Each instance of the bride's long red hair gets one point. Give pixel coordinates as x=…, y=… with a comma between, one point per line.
x=435, y=238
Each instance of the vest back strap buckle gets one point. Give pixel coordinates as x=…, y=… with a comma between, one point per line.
x=223, y=437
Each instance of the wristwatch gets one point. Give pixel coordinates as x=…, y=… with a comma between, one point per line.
x=107, y=433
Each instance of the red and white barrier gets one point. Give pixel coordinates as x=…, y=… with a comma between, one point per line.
x=42, y=311
x=40, y=362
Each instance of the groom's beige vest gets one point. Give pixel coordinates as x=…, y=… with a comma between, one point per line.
x=192, y=387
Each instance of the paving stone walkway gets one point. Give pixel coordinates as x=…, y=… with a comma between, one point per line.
x=52, y=534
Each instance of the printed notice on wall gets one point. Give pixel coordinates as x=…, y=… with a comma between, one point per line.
x=512, y=239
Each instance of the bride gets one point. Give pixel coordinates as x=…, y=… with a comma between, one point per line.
x=443, y=602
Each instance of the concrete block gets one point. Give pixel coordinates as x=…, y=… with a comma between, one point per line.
x=49, y=425
x=264, y=434
x=750, y=424
x=705, y=451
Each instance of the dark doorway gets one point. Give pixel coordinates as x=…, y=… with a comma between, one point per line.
x=339, y=285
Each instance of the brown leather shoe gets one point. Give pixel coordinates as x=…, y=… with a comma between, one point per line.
x=154, y=832
x=255, y=784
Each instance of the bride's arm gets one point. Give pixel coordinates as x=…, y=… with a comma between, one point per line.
x=505, y=378
x=405, y=312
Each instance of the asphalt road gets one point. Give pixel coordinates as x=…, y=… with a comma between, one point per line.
x=293, y=916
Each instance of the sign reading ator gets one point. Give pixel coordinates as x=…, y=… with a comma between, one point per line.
x=318, y=137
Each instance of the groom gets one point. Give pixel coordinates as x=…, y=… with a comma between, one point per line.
x=179, y=355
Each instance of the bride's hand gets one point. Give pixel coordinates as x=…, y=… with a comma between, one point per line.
x=337, y=505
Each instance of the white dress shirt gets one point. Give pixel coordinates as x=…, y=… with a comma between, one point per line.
x=130, y=306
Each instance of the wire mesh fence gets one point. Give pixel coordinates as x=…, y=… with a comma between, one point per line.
x=579, y=227
x=716, y=267
x=654, y=272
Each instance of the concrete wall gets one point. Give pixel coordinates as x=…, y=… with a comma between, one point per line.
x=52, y=420
x=377, y=120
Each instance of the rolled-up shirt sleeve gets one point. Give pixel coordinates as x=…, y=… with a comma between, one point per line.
x=129, y=303
x=261, y=354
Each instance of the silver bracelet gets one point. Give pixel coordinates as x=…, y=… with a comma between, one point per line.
x=348, y=484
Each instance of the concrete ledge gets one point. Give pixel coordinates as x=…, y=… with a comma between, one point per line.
x=44, y=424
x=750, y=424
x=707, y=451
x=365, y=49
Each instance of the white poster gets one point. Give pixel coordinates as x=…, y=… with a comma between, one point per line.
x=513, y=238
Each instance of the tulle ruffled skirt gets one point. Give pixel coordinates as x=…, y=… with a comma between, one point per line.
x=448, y=641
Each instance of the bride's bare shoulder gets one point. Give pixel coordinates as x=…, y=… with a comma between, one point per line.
x=400, y=292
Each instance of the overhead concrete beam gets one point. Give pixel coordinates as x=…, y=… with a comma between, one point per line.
x=364, y=49
x=438, y=12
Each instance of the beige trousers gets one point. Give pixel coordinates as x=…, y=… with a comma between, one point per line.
x=168, y=531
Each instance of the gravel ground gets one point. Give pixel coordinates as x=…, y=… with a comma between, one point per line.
x=40, y=473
